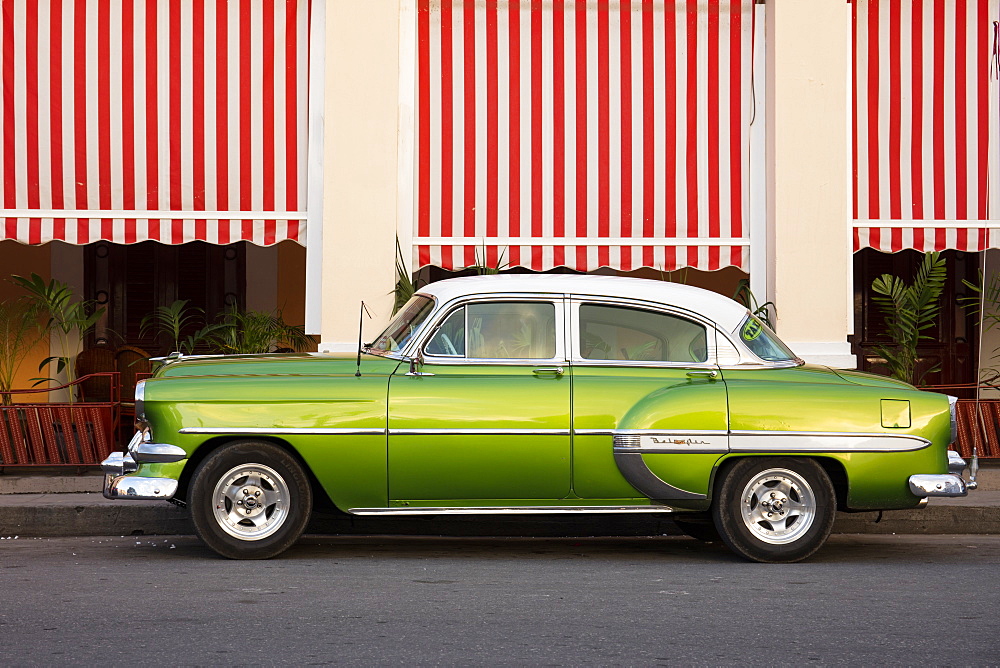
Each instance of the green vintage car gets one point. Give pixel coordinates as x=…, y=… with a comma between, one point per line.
x=540, y=394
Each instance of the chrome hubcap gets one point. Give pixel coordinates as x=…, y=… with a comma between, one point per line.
x=251, y=501
x=778, y=506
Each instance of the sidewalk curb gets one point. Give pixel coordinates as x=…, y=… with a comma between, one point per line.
x=65, y=515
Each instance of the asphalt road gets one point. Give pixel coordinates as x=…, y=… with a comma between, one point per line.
x=862, y=600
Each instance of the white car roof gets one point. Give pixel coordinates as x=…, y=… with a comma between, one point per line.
x=725, y=312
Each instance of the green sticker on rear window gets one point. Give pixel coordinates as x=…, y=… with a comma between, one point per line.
x=751, y=330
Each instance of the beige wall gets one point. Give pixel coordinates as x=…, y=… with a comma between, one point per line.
x=807, y=171
x=360, y=130
x=808, y=65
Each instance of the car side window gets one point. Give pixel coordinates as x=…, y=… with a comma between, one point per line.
x=632, y=334
x=497, y=330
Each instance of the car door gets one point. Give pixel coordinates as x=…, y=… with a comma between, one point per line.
x=484, y=419
x=649, y=401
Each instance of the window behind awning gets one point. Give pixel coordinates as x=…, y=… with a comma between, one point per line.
x=161, y=120
x=925, y=124
x=583, y=134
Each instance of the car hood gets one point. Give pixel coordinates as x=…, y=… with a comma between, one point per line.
x=284, y=364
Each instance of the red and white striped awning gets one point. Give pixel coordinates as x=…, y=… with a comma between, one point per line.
x=583, y=134
x=925, y=124
x=169, y=120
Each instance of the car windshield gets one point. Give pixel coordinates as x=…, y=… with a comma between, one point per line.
x=764, y=343
x=402, y=326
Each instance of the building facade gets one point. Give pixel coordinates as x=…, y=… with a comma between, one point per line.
x=272, y=154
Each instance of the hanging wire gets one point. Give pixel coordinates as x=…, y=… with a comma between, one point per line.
x=980, y=426
x=995, y=55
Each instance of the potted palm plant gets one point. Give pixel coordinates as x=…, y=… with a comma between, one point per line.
x=910, y=309
x=69, y=319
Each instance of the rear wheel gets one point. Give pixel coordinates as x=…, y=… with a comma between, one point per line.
x=775, y=509
x=250, y=500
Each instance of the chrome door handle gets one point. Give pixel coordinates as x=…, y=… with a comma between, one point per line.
x=547, y=370
x=707, y=373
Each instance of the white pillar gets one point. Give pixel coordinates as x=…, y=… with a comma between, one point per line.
x=808, y=189
x=760, y=260
x=360, y=172
x=315, y=181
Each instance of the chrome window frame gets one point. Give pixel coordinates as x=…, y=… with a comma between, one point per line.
x=567, y=326
x=420, y=339
x=747, y=360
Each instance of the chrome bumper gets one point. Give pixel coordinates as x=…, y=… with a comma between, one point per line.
x=947, y=484
x=119, y=484
x=941, y=484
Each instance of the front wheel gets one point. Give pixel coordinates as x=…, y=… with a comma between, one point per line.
x=250, y=500
x=775, y=509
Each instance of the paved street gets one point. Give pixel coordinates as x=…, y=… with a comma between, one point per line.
x=391, y=600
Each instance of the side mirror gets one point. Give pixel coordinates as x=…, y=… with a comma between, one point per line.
x=416, y=362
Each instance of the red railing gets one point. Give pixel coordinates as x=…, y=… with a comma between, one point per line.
x=978, y=419
x=76, y=433
x=978, y=425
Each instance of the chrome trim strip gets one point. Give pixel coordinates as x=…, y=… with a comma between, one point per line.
x=444, y=360
x=820, y=441
x=787, y=364
x=765, y=441
x=776, y=432
x=157, y=453
x=671, y=432
x=313, y=431
x=639, y=364
x=635, y=471
x=511, y=510
x=479, y=432
x=373, y=431
x=650, y=432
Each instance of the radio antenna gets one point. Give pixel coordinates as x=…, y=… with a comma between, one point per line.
x=361, y=322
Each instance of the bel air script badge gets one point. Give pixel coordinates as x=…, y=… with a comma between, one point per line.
x=676, y=441
x=681, y=443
